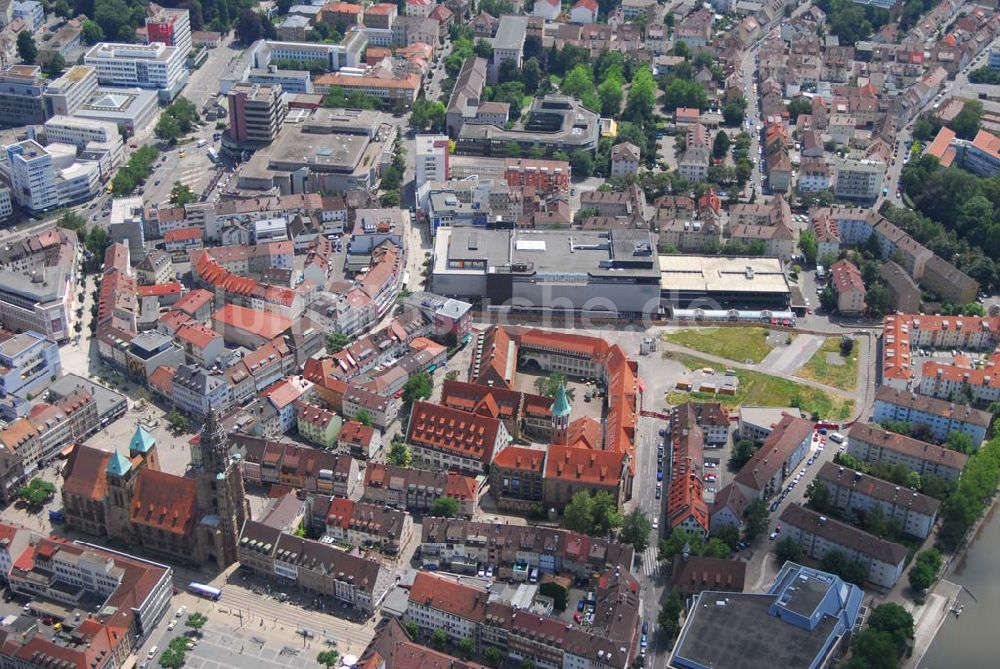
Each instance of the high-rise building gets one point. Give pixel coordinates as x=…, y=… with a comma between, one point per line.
x=21, y=88
x=431, y=159
x=256, y=112
x=170, y=26
x=32, y=176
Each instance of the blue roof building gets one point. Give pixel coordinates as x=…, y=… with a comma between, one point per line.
x=804, y=619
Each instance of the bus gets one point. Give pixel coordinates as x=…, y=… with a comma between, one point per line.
x=206, y=591
x=213, y=155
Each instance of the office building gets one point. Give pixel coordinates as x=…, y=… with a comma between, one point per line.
x=41, y=301
x=508, y=45
x=555, y=122
x=31, y=12
x=155, y=66
x=597, y=272
x=21, y=103
x=67, y=94
x=171, y=27
x=431, y=159
x=28, y=362
x=804, y=620
x=256, y=112
x=131, y=109
x=87, y=134
x=32, y=176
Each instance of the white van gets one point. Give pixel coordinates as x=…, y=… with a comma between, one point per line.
x=837, y=437
x=152, y=653
x=202, y=142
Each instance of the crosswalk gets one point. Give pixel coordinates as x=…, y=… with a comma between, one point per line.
x=650, y=563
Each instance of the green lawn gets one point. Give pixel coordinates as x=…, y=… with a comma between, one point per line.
x=758, y=389
x=739, y=344
x=843, y=376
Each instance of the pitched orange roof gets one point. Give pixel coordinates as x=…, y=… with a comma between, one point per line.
x=445, y=429
x=164, y=502
x=443, y=594
x=521, y=459
x=566, y=463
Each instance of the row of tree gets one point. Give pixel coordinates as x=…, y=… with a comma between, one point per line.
x=135, y=171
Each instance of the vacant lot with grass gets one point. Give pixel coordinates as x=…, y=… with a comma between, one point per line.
x=828, y=366
x=739, y=344
x=757, y=389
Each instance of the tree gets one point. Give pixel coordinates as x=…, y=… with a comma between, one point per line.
x=641, y=95
x=606, y=516
x=818, y=496
x=439, y=638
x=363, y=417
x=635, y=530
x=578, y=513
x=328, y=658
x=171, y=658
x=788, y=550
x=181, y=194
x=466, y=647
x=965, y=124
x=742, y=452
x=26, y=47
x=249, y=27
x=873, y=649
x=556, y=592
x=721, y=145
x=878, y=300
x=412, y=629
x=669, y=618
x=836, y=562
x=56, y=65
x=610, y=95
x=808, y=245
x=876, y=522
x=798, y=106
x=493, y=656
x=196, y=621
x=168, y=128
x=483, y=49
x=716, y=548
x=336, y=342
x=178, y=422
x=445, y=507
x=734, y=113
x=399, y=453
x=426, y=115
x=828, y=300
x=582, y=163
x=959, y=441
x=757, y=516
x=548, y=386
x=36, y=493
x=418, y=387
x=921, y=577
x=91, y=32
x=894, y=620
x=729, y=534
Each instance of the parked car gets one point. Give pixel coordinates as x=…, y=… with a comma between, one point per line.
x=773, y=536
x=774, y=505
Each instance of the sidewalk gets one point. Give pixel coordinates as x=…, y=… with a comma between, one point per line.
x=928, y=618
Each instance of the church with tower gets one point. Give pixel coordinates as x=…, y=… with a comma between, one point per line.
x=194, y=519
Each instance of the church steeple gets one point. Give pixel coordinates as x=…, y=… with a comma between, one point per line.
x=560, y=416
x=213, y=444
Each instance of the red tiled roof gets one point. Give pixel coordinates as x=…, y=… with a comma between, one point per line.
x=160, y=289
x=443, y=428
x=194, y=301
x=521, y=459
x=256, y=322
x=566, y=463
x=182, y=235
x=164, y=501
x=443, y=594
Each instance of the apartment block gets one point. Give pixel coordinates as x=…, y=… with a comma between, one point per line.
x=819, y=535
x=875, y=445
x=256, y=112
x=855, y=492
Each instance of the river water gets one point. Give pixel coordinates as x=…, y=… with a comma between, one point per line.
x=972, y=641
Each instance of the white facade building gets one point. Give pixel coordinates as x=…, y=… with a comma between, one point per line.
x=32, y=176
x=153, y=65
x=431, y=159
